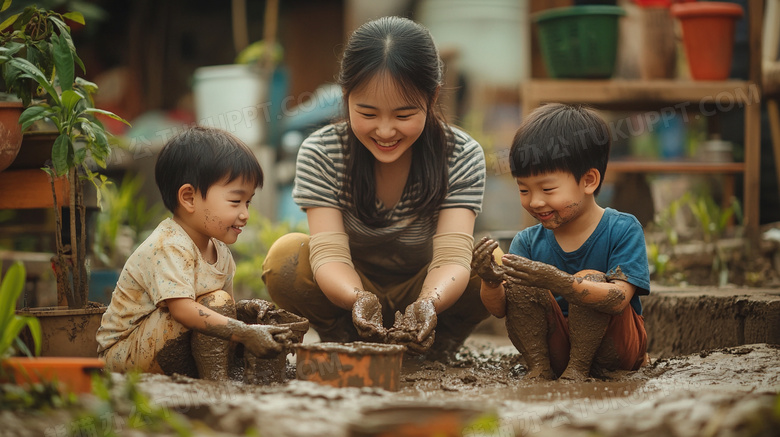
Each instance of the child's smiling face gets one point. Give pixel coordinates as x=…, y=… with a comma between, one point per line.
x=224, y=211
x=555, y=198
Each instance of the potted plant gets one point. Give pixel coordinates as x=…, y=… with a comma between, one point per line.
x=39, y=64
x=71, y=374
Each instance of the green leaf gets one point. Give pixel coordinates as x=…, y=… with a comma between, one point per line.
x=31, y=115
x=10, y=20
x=65, y=34
x=70, y=99
x=10, y=289
x=63, y=62
x=33, y=72
x=59, y=154
x=80, y=155
x=6, y=5
x=107, y=113
x=35, y=330
x=75, y=16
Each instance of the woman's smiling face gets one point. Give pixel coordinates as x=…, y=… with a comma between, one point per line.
x=384, y=120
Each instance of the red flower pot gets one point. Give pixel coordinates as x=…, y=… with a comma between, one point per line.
x=72, y=373
x=708, y=36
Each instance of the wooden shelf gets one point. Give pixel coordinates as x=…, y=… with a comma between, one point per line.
x=641, y=94
x=663, y=98
x=682, y=167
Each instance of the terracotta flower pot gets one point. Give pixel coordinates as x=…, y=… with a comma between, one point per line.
x=10, y=132
x=357, y=364
x=708, y=35
x=73, y=374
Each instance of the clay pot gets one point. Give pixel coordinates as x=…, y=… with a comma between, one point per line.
x=356, y=364
x=10, y=132
x=73, y=374
x=708, y=35
x=269, y=370
x=66, y=332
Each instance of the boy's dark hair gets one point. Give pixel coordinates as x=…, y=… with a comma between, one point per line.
x=557, y=137
x=405, y=52
x=203, y=156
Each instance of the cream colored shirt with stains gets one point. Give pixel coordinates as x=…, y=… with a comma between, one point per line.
x=166, y=265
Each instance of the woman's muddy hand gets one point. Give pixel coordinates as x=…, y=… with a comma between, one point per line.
x=367, y=317
x=415, y=327
x=263, y=341
x=484, y=264
x=536, y=274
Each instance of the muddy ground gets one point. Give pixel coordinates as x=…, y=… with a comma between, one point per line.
x=724, y=392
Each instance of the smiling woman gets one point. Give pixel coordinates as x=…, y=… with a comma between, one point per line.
x=391, y=196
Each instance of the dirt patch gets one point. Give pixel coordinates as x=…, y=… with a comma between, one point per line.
x=729, y=391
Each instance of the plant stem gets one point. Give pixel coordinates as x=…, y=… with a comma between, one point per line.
x=82, y=290
x=61, y=268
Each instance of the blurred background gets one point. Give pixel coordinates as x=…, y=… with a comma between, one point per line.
x=264, y=70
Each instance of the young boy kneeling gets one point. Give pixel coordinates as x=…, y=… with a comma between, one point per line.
x=570, y=285
x=173, y=310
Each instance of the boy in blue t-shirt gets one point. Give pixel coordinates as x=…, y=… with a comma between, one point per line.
x=569, y=286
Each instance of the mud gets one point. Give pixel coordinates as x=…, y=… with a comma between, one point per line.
x=721, y=392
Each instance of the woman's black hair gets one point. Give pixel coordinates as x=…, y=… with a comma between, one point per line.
x=558, y=137
x=203, y=156
x=406, y=53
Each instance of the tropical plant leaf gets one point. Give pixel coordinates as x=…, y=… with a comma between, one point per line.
x=10, y=289
x=107, y=113
x=70, y=99
x=75, y=16
x=59, y=154
x=36, y=74
x=10, y=20
x=31, y=115
x=36, y=332
x=6, y=5
x=63, y=61
x=65, y=33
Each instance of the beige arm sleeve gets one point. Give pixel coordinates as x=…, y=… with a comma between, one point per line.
x=452, y=248
x=328, y=247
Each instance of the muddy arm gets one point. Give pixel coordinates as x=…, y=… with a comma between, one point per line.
x=610, y=297
x=494, y=299
x=202, y=319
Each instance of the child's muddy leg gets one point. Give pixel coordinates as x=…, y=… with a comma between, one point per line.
x=528, y=324
x=586, y=332
x=587, y=327
x=212, y=354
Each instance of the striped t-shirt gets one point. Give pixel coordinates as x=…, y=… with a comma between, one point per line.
x=401, y=249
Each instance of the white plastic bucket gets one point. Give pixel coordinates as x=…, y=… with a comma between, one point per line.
x=231, y=97
x=492, y=36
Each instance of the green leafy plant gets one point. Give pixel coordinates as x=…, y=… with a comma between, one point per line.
x=11, y=324
x=123, y=221
x=39, y=57
x=250, y=252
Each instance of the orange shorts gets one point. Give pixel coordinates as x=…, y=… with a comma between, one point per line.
x=626, y=331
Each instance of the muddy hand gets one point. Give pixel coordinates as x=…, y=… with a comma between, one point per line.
x=415, y=328
x=367, y=317
x=535, y=274
x=262, y=341
x=484, y=264
x=253, y=310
